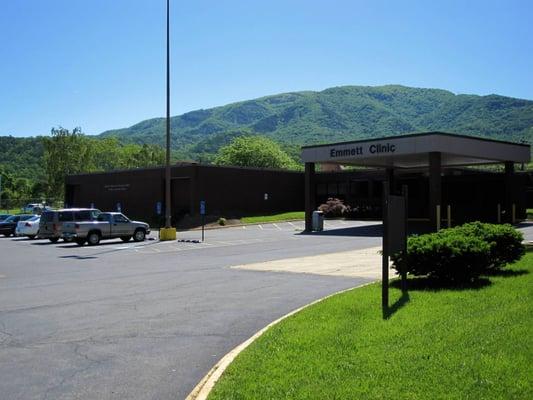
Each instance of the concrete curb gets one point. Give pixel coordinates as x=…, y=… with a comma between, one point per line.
x=206, y=384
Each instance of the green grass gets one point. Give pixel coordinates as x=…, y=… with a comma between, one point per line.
x=438, y=344
x=274, y=217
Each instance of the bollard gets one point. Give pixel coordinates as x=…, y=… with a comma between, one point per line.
x=499, y=217
x=449, y=216
x=438, y=217
x=514, y=214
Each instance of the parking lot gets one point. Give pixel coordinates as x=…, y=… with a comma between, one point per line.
x=148, y=320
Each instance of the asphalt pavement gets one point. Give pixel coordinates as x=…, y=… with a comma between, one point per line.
x=148, y=320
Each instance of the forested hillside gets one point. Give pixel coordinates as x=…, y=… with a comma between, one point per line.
x=291, y=119
x=340, y=113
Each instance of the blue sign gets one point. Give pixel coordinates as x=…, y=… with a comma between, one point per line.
x=202, y=207
x=119, y=208
x=158, y=208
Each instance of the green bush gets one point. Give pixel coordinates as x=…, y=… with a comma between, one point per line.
x=505, y=242
x=222, y=221
x=461, y=253
x=447, y=255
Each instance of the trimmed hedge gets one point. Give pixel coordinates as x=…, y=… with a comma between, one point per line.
x=462, y=253
x=505, y=241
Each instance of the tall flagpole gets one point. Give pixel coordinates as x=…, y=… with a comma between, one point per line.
x=167, y=169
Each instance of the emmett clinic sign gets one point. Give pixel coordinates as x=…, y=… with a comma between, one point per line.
x=373, y=149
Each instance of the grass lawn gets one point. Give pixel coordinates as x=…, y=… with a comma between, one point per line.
x=274, y=217
x=473, y=343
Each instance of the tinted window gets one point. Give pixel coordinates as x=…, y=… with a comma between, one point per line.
x=47, y=217
x=83, y=215
x=65, y=216
x=25, y=217
x=104, y=217
x=10, y=219
x=34, y=218
x=120, y=218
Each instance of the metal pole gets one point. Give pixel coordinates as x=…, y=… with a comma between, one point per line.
x=167, y=169
x=449, y=216
x=385, y=252
x=405, y=194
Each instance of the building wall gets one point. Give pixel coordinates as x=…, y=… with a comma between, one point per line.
x=228, y=191
x=236, y=192
x=472, y=195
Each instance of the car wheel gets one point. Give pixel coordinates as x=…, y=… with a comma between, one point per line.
x=93, y=239
x=7, y=234
x=125, y=238
x=80, y=242
x=31, y=237
x=67, y=240
x=54, y=239
x=139, y=235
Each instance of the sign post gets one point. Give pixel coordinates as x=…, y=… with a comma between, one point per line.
x=394, y=237
x=202, y=213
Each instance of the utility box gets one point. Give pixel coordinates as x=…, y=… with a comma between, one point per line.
x=318, y=221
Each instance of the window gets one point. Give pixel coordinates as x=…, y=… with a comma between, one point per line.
x=120, y=218
x=83, y=215
x=65, y=216
x=47, y=217
x=104, y=217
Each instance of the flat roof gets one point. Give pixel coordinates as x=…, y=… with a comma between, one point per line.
x=411, y=151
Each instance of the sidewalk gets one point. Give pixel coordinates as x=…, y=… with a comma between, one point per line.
x=364, y=263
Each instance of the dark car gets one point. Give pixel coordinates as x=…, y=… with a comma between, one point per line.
x=3, y=217
x=7, y=227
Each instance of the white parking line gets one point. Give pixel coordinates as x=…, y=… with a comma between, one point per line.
x=276, y=226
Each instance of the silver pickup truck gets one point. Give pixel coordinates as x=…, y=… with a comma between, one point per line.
x=108, y=225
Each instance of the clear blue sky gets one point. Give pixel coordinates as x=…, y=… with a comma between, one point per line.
x=99, y=64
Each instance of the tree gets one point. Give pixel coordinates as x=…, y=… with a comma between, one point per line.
x=65, y=153
x=68, y=153
x=255, y=151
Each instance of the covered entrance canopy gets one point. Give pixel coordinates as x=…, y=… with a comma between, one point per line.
x=431, y=150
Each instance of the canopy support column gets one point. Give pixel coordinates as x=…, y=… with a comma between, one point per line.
x=310, y=200
x=435, y=187
x=509, y=191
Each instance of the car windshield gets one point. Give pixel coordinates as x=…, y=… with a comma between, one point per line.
x=11, y=219
x=34, y=218
x=26, y=217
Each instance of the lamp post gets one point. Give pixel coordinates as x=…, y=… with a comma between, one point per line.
x=168, y=233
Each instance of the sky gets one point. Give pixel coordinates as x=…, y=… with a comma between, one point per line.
x=100, y=64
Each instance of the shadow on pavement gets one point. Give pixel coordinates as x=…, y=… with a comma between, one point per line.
x=365, y=231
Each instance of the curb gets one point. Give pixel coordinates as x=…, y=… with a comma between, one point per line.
x=206, y=384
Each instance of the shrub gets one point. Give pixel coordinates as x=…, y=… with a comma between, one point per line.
x=447, y=255
x=505, y=242
x=222, y=221
x=333, y=208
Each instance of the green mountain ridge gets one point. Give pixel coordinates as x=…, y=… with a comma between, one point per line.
x=337, y=114
x=302, y=118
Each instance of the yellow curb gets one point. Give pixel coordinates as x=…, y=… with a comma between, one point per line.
x=204, y=387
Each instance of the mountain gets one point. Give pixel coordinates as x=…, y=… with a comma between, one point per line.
x=337, y=114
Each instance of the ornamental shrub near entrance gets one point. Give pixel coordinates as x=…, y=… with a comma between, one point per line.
x=462, y=253
x=505, y=242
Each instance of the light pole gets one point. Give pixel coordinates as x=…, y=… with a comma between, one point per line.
x=168, y=233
